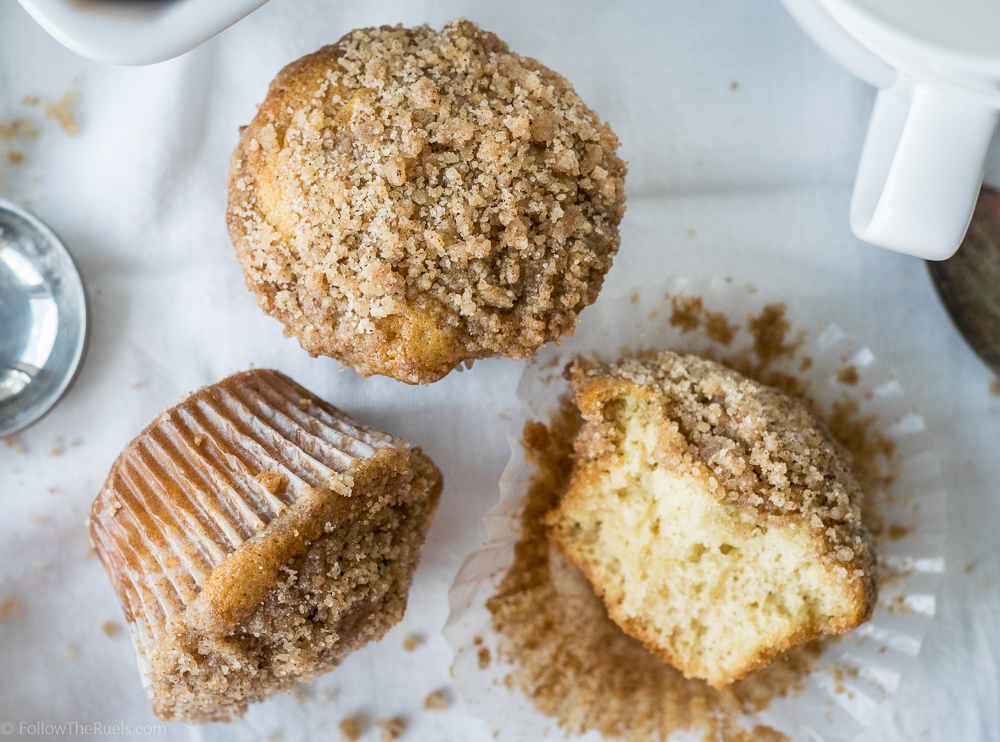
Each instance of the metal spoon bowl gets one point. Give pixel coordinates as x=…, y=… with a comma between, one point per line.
x=43, y=319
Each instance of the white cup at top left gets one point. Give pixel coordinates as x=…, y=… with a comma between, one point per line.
x=134, y=33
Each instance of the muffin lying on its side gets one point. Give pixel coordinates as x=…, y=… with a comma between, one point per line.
x=256, y=535
x=715, y=515
x=407, y=200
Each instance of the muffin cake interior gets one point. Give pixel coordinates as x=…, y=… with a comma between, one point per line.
x=713, y=514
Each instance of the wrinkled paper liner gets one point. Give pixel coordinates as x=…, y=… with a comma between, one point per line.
x=857, y=672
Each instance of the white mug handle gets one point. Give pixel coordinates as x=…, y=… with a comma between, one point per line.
x=921, y=169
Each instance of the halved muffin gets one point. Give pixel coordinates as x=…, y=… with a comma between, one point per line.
x=256, y=535
x=716, y=516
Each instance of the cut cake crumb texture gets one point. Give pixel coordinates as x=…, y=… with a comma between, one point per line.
x=407, y=199
x=235, y=588
x=715, y=515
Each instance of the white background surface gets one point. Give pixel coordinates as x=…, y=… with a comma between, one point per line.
x=760, y=173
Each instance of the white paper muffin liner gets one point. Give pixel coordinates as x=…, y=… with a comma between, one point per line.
x=856, y=673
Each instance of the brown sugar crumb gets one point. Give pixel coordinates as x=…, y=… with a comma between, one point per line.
x=806, y=364
x=18, y=127
x=484, y=658
x=769, y=331
x=29, y=100
x=411, y=643
x=899, y=606
x=273, y=736
x=14, y=442
x=718, y=328
x=407, y=199
x=995, y=387
x=9, y=607
x=969, y=568
x=734, y=85
x=848, y=375
x=686, y=312
x=352, y=727
x=110, y=628
x=436, y=701
x=74, y=652
x=15, y=157
x=578, y=666
x=63, y=114
x=897, y=532
x=392, y=728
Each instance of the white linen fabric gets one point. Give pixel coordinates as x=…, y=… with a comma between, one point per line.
x=742, y=139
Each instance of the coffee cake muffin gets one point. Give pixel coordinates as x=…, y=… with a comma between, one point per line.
x=407, y=200
x=256, y=535
x=717, y=518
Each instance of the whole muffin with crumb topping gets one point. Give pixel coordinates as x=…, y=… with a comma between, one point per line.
x=407, y=199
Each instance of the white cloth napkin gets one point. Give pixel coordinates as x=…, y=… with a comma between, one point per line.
x=742, y=139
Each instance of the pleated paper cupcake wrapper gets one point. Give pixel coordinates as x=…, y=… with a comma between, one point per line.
x=206, y=476
x=856, y=673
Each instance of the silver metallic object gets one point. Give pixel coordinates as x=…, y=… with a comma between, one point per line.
x=43, y=319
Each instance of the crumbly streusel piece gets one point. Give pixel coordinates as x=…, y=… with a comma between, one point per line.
x=256, y=536
x=715, y=515
x=406, y=200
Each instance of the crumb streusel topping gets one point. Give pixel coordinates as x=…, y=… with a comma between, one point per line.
x=406, y=200
x=764, y=450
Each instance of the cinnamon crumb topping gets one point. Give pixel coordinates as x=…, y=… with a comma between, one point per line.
x=408, y=199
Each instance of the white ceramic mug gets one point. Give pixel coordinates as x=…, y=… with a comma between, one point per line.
x=135, y=33
x=937, y=65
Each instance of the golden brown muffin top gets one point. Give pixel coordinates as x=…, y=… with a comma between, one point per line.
x=764, y=450
x=407, y=199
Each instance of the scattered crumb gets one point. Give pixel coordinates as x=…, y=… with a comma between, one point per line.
x=53, y=490
x=352, y=727
x=18, y=127
x=806, y=364
x=769, y=331
x=57, y=447
x=9, y=607
x=477, y=640
x=273, y=736
x=734, y=85
x=899, y=606
x=995, y=387
x=751, y=289
x=42, y=565
x=76, y=442
x=969, y=568
x=63, y=115
x=39, y=519
x=110, y=628
x=411, y=643
x=436, y=701
x=14, y=442
x=717, y=328
x=848, y=375
x=686, y=312
x=138, y=385
x=635, y=297
x=327, y=697
x=29, y=100
x=692, y=231
x=15, y=157
x=74, y=652
x=896, y=531
x=762, y=733
x=484, y=658
x=392, y=729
